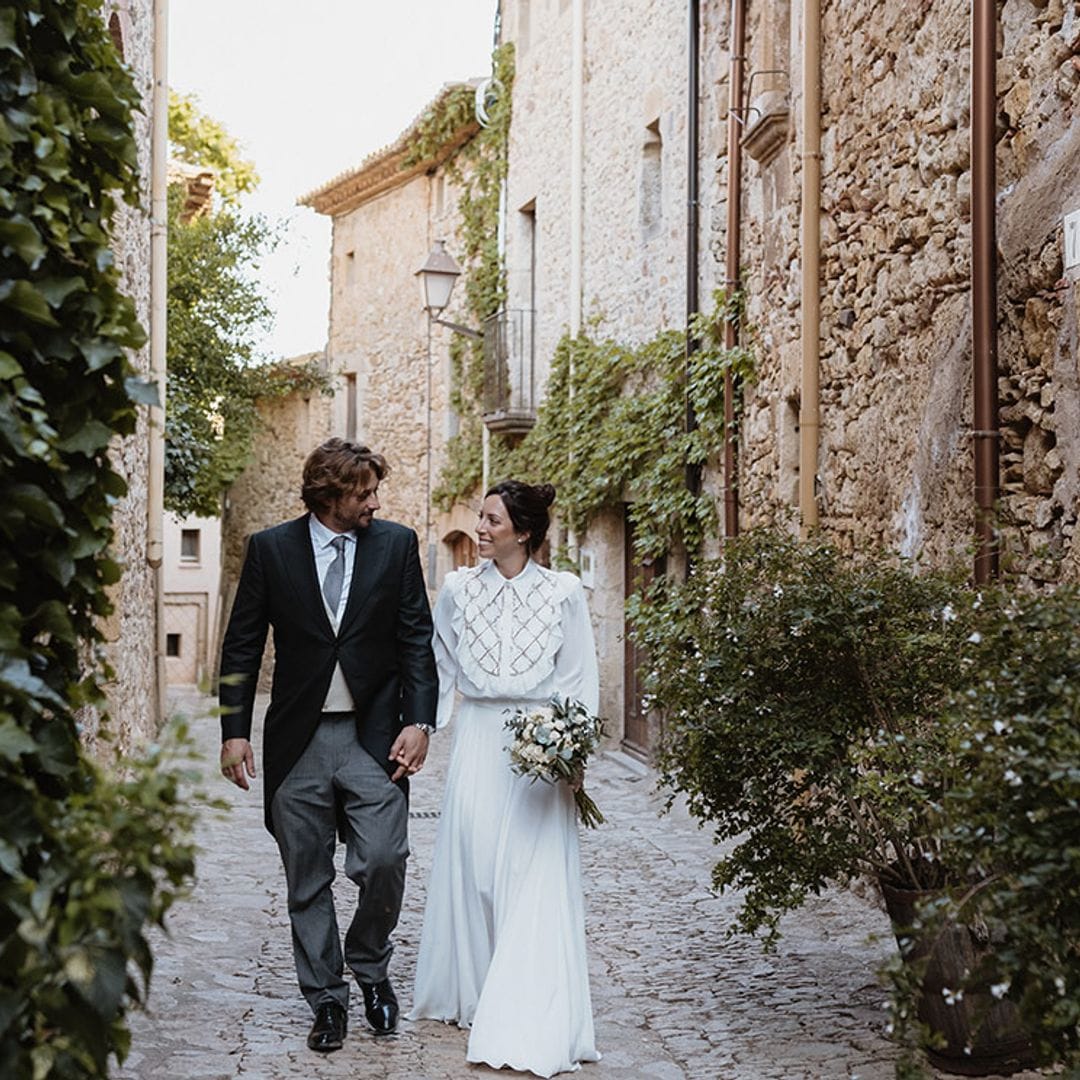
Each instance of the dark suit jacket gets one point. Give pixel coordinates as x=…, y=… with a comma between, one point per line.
x=383, y=644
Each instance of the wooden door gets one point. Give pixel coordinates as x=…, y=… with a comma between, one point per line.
x=638, y=574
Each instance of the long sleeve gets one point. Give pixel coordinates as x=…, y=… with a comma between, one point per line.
x=414, y=630
x=446, y=644
x=576, y=672
x=242, y=648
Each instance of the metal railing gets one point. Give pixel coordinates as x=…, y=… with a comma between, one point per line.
x=509, y=372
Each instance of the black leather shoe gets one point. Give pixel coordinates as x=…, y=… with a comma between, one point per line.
x=380, y=1006
x=328, y=1031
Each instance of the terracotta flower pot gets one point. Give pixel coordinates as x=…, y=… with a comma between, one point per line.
x=983, y=1035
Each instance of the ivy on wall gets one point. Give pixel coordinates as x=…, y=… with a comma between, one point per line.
x=617, y=429
x=618, y=426
x=86, y=860
x=479, y=169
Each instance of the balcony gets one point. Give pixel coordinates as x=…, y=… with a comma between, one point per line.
x=509, y=376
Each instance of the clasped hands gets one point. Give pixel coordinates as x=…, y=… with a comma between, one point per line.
x=409, y=753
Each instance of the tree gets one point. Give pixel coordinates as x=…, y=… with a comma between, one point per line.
x=217, y=316
x=198, y=139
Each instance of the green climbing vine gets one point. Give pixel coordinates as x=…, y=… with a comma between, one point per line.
x=621, y=427
x=87, y=858
x=478, y=168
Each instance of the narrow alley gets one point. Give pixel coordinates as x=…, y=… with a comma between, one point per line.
x=672, y=998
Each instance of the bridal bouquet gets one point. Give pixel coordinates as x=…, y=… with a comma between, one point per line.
x=552, y=742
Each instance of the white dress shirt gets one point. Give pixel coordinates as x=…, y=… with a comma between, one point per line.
x=338, y=697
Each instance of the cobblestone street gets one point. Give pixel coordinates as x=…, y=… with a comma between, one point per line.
x=672, y=998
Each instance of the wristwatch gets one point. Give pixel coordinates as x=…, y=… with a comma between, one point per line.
x=427, y=729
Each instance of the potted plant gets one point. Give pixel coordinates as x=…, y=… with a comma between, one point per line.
x=802, y=695
x=1013, y=823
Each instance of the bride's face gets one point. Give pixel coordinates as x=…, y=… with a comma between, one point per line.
x=495, y=535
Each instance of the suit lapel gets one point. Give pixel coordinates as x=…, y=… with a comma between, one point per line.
x=298, y=559
x=372, y=551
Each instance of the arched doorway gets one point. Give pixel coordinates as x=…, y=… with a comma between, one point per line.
x=462, y=549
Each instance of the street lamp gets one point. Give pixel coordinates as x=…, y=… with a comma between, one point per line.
x=437, y=277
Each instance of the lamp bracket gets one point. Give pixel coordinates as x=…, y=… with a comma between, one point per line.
x=458, y=328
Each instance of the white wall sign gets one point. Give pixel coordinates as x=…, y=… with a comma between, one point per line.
x=1072, y=239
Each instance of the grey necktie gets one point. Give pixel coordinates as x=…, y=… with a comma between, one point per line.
x=335, y=575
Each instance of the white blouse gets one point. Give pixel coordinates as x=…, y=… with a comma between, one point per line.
x=526, y=637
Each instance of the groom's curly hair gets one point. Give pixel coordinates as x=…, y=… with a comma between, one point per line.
x=336, y=468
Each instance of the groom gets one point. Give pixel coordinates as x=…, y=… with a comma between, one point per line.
x=351, y=711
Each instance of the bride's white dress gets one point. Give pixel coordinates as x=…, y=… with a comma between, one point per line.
x=503, y=945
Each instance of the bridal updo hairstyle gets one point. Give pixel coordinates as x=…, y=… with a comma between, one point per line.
x=339, y=467
x=527, y=506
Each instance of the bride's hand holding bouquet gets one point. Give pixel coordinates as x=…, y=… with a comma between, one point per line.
x=553, y=742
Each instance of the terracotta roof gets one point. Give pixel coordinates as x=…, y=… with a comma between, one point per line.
x=385, y=168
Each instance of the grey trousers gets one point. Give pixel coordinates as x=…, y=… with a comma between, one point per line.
x=334, y=770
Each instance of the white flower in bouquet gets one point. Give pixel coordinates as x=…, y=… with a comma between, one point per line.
x=552, y=743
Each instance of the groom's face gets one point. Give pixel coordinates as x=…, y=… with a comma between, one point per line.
x=355, y=509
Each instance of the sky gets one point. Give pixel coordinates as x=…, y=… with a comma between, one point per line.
x=309, y=90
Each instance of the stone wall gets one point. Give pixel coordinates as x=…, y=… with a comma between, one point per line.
x=895, y=333
x=131, y=631
x=383, y=348
x=378, y=332
x=634, y=215
x=895, y=462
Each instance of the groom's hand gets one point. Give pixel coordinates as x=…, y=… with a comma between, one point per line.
x=237, y=761
x=409, y=752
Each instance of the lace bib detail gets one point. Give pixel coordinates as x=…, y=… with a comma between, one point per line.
x=508, y=636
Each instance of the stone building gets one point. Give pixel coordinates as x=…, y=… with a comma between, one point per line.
x=596, y=232
x=132, y=631
x=596, y=229
x=392, y=363
x=894, y=464
x=192, y=580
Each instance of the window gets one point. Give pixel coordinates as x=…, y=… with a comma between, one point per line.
x=350, y=406
x=651, y=192
x=172, y=644
x=350, y=269
x=528, y=223
x=789, y=451
x=189, y=545
x=116, y=32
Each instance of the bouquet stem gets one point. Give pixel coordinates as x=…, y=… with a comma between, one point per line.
x=588, y=812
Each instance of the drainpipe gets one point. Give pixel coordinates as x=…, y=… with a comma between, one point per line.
x=736, y=73
x=577, y=163
x=809, y=408
x=984, y=283
x=693, y=472
x=155, y=509
x=577, y=172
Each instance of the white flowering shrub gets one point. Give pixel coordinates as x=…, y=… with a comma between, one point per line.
x=1013, y=816
x=800, y=693
x=830, y=716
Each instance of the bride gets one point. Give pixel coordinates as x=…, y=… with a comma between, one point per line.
x=503, y=945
